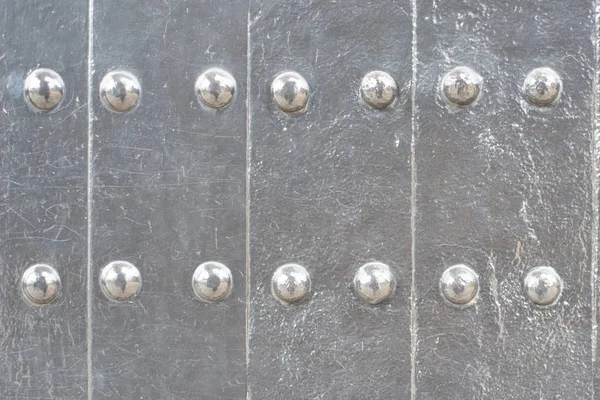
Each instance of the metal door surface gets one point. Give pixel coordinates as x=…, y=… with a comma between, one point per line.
x=284, y=199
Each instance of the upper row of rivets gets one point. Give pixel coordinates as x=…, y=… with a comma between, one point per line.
x=120, y=91
x=374, y=282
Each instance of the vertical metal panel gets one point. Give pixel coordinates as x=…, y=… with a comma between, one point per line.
x=168, y=194
x=330, y=190
x=42, y=201
x=504, y=187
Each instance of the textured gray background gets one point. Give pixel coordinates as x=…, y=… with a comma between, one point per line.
x=501, y=187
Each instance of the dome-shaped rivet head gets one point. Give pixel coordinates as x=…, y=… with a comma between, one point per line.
x=212, y=282
x=290, y=283
x=543, y=286
x=378, y=89
x=120, y=91
x=461, y=87
x=290, y=92
x=459, y=285
x=215, y=88
x=374, y=282
x=542, y=87
x=120, y=281
x=44, y=90
x=40, y=284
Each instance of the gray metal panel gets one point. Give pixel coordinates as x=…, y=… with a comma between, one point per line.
x=330, y=190
x=42, y=201
x=168, y=194
x=503, y=187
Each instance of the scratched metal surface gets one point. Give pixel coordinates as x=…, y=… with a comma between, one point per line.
x=169, y=194
x=504, y=187
x=330, y=190
x=42, y=202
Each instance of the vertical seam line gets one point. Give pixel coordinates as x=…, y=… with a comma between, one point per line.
x=413, y=201
x=248, y=155
x=595, y=211
x=90, y=62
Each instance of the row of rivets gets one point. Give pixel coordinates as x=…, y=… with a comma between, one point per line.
x=121, y=281
x=374, y=282
x=120, y=91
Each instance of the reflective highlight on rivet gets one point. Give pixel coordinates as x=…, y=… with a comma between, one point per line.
x=212, y=282
x=290, y=283
x=461, y=87
x=120, y=91
x=542, y=87
x=215, y=88
x=40, y=284
x=374, y=282
x=459, y=285
x=120, y=281
x=44, y=90
x=378, y=89
x=290, y=92
x=543, y=286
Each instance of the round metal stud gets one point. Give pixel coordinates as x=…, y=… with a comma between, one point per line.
x=120, y=281
x=459, y=285
x=40, y=284
x=120, y=91
x=374, y=282
x=543, y=286
x=461, y=87
x=542, y=87
x=44, y=90
x=290, y=92
x=215, y=88
x=290, y=283
x=378, y=89
x=212, y=282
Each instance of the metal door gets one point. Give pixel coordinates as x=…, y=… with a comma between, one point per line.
x=298, y=200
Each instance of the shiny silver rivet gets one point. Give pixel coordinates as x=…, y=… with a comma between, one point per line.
x=461, y=86
x=543, y=286
x=44, y=90
x=212, y=282
x=459, y=285
x=120, y=91
x=120, y=281
x=290, y=92
x=215, y=88
x=378, y=89
x=542, y=87
x=374, y=282
x=40, y=284
x=290, y=283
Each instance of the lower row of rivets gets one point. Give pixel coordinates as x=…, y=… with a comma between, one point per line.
x=120, y=91
x=374, y=282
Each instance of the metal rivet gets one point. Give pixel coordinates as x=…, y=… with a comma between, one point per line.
x=40, y=284
x=374, y=282
x=461, y=86
x=120, y=91
x=542, y=87
x=378, y=89
x=459, y=285
x=215, y=88
x=44, y=90
x=212, y=282
x=290, y=283
x=120, y=281
x=543, y=286
x=290, y=92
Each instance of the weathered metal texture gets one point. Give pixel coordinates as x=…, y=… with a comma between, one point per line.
x=503, y=187
x=42, y=201
x=168, y=195
x=329, y=190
